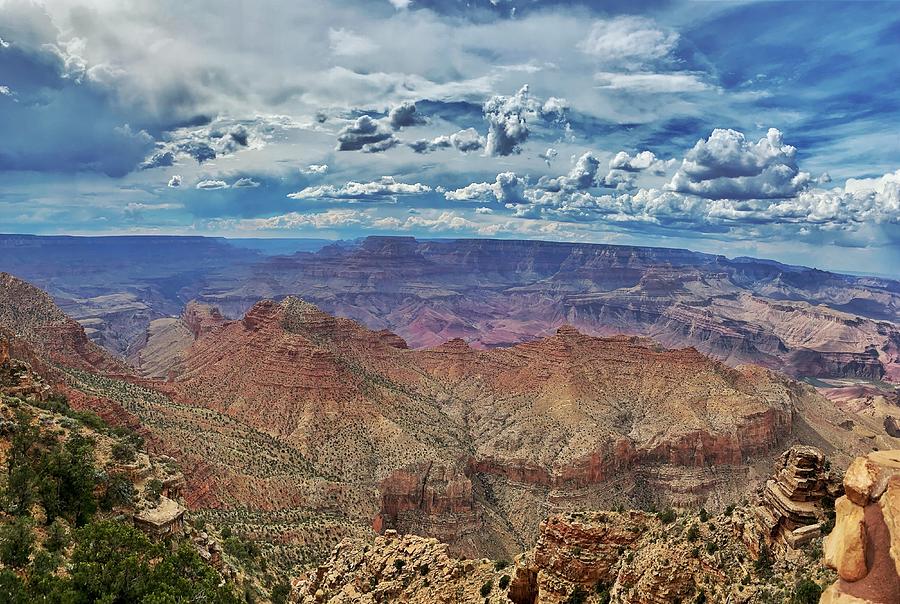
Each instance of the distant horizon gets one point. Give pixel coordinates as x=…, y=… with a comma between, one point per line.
x=893, y=277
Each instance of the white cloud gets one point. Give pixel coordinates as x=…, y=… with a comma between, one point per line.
x=385, y=187
x=5, y=91
x=464, y=141
x=347, y=43
x=245, y=183
x=651, y=83
x=404, y=115
x=367, y=135
x=507, y=122
x=315, y=169
x=628, y=41
x=507, y=188
x=210, y=185
x=726, y=165
x=583, y=175
x=175, y=181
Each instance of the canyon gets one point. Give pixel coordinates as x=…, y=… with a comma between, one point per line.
x=325, y=429
x=491, y=293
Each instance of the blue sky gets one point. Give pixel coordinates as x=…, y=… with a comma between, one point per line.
x=750, y=128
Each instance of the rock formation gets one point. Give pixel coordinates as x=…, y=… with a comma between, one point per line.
x=796, y=500
x=864, y=547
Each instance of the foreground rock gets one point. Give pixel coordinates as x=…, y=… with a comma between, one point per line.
x=864, y=547
x=629, y=557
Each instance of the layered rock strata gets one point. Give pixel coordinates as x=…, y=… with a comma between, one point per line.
x=795, y=501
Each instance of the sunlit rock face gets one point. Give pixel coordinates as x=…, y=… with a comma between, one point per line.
x=864, y=547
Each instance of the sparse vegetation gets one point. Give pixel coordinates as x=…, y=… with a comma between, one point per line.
x=577, y=596
x=52, y=482
x=806, y=591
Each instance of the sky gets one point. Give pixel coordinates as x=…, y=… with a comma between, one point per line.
x=768, y=129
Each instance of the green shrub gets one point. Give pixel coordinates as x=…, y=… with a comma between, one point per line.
x=504, y=582
x=16, y=542
x=806, y=591
x=124, y=452
x=58, y=537
x=602, y=591
x=281, y=593
x=693, y=533
x=153, y=490
x=486, y=588
x=578, y=596
x=666, y=516
x=764, y=561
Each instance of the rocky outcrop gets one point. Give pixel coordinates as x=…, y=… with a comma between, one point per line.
x=593, y=557
x=17, y=378
x=797, y=499
x=397, y=568
x=864, y=547
x=201, y=319
x=31, y=316
x=428, y=498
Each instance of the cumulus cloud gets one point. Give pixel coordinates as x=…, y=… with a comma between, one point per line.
x=222, y=136
x=507, y=188
x=858, y=204
x=464, y=141
x=624, y=168
x=384, y=188
x=507, y=118
x=583, y=175
x=365, y=134
x=467, y=140
x=555, y=108
x=245, y=183
x=404, y=115
x=211, y=185
x=645, y=160
x=726, y=165
x=5, y=91
x=158, y=160
x=507, y=125
x=315, y=169
x=175, y=181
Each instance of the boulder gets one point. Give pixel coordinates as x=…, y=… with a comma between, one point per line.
x=864, y=547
